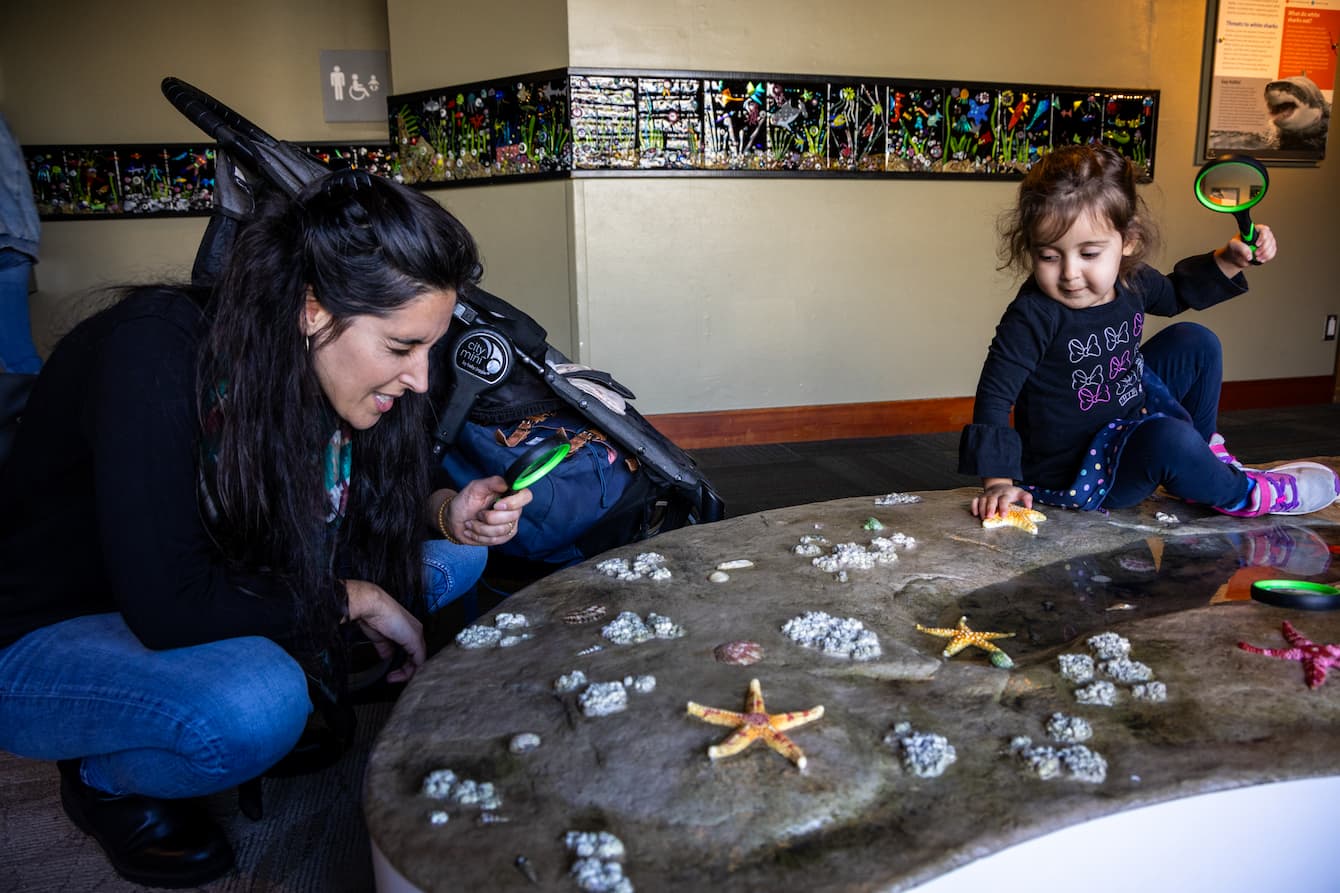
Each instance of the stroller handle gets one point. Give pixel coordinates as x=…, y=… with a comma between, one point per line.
x=231, y=130
x=210, y=115
x=273, y=161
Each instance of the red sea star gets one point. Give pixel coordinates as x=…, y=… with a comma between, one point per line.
x=756, y=724
x=1316, y=659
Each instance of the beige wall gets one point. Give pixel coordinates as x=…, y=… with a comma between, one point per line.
x=783, y=292
x=523, y=229
x=701, y=294
x=81, y=71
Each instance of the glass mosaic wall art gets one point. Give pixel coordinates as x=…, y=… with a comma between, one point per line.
x=594, y=122
x=80, y=182
x=589, y=122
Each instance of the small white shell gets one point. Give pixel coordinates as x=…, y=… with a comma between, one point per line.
x=524, y=742
x=718, y=576
x=736, y=564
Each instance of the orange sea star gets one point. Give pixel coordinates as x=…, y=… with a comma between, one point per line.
x=756, y=724
x=961, y=637
x=1017, y=516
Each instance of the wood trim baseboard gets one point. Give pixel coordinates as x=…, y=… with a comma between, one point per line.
x=1270, y=393
x=841, y=421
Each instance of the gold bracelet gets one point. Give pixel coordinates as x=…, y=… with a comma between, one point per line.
x=442, y=521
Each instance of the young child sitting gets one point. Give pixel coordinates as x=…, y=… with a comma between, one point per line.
x=1100, y=420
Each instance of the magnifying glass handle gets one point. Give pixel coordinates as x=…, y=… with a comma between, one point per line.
x=1247, y=229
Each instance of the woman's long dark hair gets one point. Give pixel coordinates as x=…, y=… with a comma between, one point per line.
x=363, y=245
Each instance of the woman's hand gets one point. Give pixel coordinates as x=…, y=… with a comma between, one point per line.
x=998, y=494
x=388, y=625
x=1237, y=255
x=478, y=516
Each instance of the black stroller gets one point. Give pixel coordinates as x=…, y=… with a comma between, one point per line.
x=669, y=491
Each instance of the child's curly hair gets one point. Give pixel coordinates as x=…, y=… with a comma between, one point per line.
x=1066, y=183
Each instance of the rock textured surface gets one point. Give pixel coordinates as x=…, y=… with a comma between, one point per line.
x=855, y=819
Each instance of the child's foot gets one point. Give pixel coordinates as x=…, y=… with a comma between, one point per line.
x=1298, y=488
x=1221, y=452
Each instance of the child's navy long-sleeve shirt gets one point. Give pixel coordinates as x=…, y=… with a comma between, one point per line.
x=1066, y=373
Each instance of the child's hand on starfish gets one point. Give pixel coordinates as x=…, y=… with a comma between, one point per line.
x=998, y=494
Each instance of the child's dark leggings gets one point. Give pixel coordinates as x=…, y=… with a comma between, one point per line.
x=1173, y=453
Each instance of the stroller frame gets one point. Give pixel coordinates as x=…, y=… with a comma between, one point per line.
x=248, y=160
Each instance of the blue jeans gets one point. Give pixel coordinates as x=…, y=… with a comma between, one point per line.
x=1173, y=453
x=450, y=571
x=17, y=353
x=177, y=723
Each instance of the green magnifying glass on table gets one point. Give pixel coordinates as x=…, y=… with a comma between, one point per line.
x=1234, y=184
x=536, y=462
x=1304, y=595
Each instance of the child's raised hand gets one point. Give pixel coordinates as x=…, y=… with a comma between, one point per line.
x=997, y=497
x=1237, y=255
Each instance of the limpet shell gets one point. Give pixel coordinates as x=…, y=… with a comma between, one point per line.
x=589, y=614
x=524, y=742
x=738, y=653
x=718, y=576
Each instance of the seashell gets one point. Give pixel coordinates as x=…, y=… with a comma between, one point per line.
x=736, y=564
x=591, y=650
x=491, y=818
x=738, y=653
x=718, y=576
x=524, y=742
x=589, y=614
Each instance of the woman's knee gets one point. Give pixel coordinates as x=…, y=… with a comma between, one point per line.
x=254, y=712
x=449, y=571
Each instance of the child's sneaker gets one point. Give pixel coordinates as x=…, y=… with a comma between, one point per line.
x=1298, y=488
x=1221, y=452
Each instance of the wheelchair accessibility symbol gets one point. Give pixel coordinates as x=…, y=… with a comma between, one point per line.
x=356, y=90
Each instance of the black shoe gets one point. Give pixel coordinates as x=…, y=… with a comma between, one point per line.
x=319, y=748
x=153, y=842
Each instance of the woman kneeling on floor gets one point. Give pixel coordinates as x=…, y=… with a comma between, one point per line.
x=206, y=486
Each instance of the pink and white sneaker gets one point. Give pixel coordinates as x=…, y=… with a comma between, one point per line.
x=1221, y=452
x=1298, y=488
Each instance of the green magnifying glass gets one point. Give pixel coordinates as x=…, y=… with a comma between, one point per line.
x=1302, y=594
x=536, y=462
x=1234, y=184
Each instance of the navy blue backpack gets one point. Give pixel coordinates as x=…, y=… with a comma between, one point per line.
x=500, y=388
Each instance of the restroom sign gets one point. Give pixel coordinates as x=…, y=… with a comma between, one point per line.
x=354, y=84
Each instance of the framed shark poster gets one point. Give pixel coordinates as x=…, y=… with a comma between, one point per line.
x=1269, y=80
